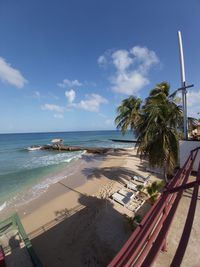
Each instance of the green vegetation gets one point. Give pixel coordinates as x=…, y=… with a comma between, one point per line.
x=153, y=190
x=140, y=187
x=129, y=114
x=155, y=124
x=138, y=218
x=133, y=222
x=130, y=222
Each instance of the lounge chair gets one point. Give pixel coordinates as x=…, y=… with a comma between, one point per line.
x=131, y=186
x=126, y=193
x=135, y=205
x=140, y=178
x=121, y=199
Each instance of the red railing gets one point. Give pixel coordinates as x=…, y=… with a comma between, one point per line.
x=2, y=258
x=150, y=236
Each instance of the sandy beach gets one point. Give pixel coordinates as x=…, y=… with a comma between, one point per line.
x=75, y=223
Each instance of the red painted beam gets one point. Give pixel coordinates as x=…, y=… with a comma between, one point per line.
x=188, y=226
x=129, y=251
x=142, y=232
x=153, y=236
x=183, y=187
x=157, y=243
x=2, y=258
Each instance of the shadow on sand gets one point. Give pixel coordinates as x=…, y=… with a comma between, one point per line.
x=120, y=174
x=90, y=235
x=188, y=193
x=116, y=152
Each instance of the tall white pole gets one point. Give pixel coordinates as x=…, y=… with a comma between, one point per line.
x=181, y=60
x=183, y=85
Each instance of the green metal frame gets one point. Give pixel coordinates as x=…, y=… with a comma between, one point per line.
x=15, y=222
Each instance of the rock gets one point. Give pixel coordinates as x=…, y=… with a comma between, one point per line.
x=61, y=147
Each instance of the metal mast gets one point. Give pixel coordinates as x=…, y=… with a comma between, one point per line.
x=183, y=86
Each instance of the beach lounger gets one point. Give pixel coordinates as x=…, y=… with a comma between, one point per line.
x=120, y=199
x=141, y=179
x=135, y=206
x=131, y=186
x=126, y=193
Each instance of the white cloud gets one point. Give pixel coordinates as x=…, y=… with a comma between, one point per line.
x=193, y=100
x=10, y=75
x=102, y=60
x=53, y=107
x=122, y=60
x=70, y=95
x=58, y=116
x=128, y=82
x=70, y=83
x=131, y=68
x=91, y=103
x=146, y=57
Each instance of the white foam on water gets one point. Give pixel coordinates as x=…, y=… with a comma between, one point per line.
x=123, y=145
x=35, y=191
x=3, y=206
x=52, y=159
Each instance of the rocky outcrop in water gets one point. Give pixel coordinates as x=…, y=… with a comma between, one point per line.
x=61, y=147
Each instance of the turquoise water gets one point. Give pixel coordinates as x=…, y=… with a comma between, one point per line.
x=24, y=172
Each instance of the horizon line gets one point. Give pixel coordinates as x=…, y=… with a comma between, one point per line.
x=60, y=131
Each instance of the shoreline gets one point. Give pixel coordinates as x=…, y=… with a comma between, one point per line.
x=81, y=182
x=93, y=177
x=74, y=223
x=39, y=191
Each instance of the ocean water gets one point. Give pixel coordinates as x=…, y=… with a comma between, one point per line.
x=29, y=173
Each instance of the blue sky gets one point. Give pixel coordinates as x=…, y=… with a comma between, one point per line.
x=66, y=65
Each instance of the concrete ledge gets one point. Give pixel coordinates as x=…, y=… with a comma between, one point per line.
x=184, y=149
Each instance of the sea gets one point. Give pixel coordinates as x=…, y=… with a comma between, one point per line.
x=25, y=175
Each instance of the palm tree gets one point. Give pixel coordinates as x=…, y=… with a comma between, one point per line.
x=128, y=114
x=155, y=125
x=157, y=133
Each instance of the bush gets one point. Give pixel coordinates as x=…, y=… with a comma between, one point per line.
x=137, y=218
x=130, y=222
x=153, y=190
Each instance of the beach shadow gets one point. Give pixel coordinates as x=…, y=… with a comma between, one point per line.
x=188, y=193
x=120, y=174
x=144, y=209
x=70, y=188
x=14, y=242
x=91, y=158
x=89, y=237
x=142, y=167
x=102, y=157
x=16, y=254
x=118, y=152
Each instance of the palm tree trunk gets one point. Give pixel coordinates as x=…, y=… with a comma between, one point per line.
x=165, y=171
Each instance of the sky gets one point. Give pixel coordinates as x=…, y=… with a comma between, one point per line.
x=66, y=65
